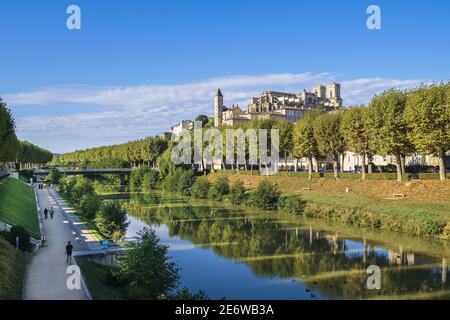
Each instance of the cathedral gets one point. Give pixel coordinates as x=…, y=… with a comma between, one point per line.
x=279, y=105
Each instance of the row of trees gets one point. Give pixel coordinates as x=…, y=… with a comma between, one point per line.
x=13, y=150
x=398, y=123
x=133, y=153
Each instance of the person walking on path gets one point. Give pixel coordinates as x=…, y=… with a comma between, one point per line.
x=52, y=212
x=68, y=252
x=45, y=213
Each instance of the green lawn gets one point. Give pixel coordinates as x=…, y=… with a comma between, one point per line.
x=18, y=205
x=12, y=270
x=438, y=211
x=97, y=280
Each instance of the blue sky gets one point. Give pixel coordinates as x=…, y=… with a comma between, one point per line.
x=136, y=67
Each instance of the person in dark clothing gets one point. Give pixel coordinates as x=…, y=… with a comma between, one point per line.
x=52, y=212
x=68, y=252
x=45, y=213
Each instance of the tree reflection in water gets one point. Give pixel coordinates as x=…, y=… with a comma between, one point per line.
x=271, y=245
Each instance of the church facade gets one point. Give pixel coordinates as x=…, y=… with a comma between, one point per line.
x=279, y=105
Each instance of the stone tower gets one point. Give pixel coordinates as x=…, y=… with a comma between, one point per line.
x=334, y=94
x=218, y=108
x=333, y=91
x=320, y=91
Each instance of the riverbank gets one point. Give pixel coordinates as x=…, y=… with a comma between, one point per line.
x=424, y=211
x=12, y=269
x=18, y=206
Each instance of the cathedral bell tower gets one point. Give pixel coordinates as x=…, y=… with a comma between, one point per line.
x=218, y=108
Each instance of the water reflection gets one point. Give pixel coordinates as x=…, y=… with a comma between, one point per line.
x=236, y=253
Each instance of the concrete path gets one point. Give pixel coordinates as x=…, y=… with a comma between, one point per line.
x=46, y=274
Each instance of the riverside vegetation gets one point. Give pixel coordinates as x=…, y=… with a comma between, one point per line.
x=144, y=271
x=398, y=123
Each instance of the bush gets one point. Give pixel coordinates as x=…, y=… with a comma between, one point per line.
x=291, y=204
x=150, y=180
x=429, y=176
x=219, y=189
x=83, y=186
x=89, y=205
x=185, y=181
x=146, y=268
x=111, y=220
x=200, y=188
x=170, y=183
x=238, y=193
x=53, y=177
x=431, y=227
x=66, y=185
x=24, y=238
x=265, y=196
x=137, y=176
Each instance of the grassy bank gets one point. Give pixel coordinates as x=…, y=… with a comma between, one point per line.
x=98, y=280
x=425, y=210
x=18, y=205
x=12, y=270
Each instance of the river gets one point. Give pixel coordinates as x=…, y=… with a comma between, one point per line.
x=240, y=253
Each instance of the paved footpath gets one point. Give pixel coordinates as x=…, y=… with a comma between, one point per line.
x=46, y=274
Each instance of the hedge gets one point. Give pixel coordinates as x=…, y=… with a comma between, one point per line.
x=429, y=176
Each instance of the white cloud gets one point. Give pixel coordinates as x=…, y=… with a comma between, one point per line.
x=132, y=112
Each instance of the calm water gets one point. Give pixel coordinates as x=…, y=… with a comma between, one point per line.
x=237, y=253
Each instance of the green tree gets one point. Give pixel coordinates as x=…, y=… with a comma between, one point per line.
x=200, y=188
x=185, y=181
x=238, y=193
x=203, y=118
x=111, y=220
x=265, y=196
x=286, y=138
x=54, y=176
x=356, y=131
x=304, y=142
x=219, y=189
x=387, y=126
x=83, y=186
x=428, y=115
x=329, y=137
x=8, y=141
x=146, y=268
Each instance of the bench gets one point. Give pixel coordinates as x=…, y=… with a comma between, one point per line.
x=306, y=189
x=398, y=195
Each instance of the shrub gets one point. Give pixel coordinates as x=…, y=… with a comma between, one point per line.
x=83, y=186
x=53, y=177
x=169, y=183
x=185, y=181
x=66, y=185
x=219, y=189
x=431, y=227
x=238, y=193
x=137, y=176
x=200, y=188
x=150, y=180
x=429, y=176
x=146, y=268
x=291, y=204
x=24, y=237
x=111, y=220
x=265, y=196
x=89, y=205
